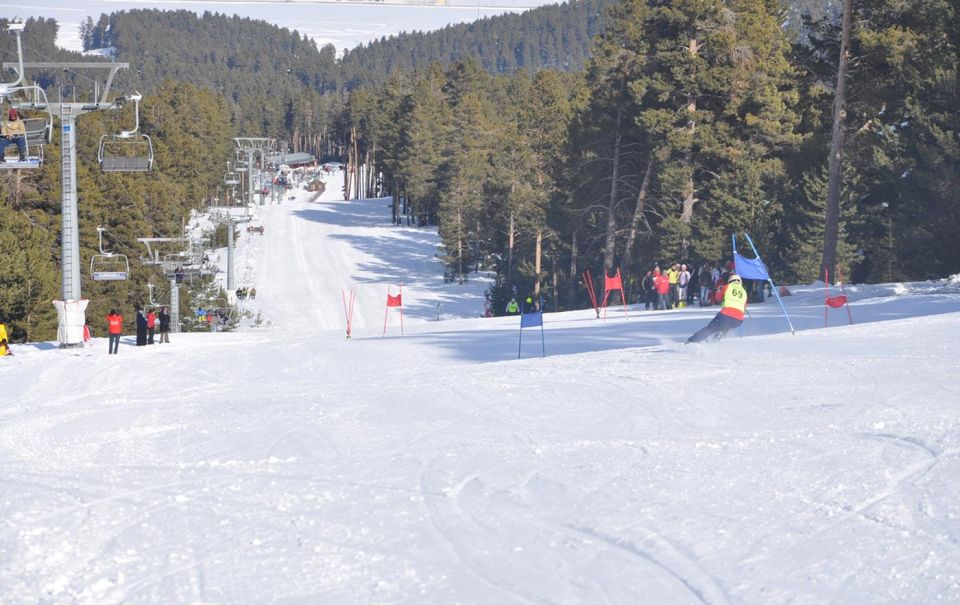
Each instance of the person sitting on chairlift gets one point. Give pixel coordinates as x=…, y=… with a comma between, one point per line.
x=14, y=131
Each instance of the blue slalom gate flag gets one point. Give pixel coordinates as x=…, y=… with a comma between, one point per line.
x=531, y=320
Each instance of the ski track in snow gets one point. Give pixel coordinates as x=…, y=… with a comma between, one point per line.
x=283, y=463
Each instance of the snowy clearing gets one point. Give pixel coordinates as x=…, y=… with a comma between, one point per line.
x=283, y=463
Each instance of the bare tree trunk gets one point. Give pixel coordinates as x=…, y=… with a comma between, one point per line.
x=510, y=240
x=638, y=212
x=610, y=249
x=554, y=280
x=689, y=192
x=572, y=289
x=831, y=228
x=356, y=165
x=459, y=246
x=348, y=173
x=536, y=265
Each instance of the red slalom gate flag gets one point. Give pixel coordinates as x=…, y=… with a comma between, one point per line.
x=393, y=301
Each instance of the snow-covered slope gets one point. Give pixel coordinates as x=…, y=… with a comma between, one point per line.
x=286, y=464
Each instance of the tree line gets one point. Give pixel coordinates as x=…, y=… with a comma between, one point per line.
x=689, y=121
x=692, y=120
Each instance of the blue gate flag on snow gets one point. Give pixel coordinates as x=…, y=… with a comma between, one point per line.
x=531, y=320
x=753, y=268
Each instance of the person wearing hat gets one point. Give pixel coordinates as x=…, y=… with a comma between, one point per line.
x=730, y=315
x=13, y=131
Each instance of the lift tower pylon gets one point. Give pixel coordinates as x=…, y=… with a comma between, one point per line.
x=68, y=333
x=248, y=147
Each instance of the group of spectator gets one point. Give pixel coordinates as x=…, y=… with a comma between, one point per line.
x=680, y=286
x=148, y=323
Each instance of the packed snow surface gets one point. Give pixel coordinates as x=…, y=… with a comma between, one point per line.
x=284, y=463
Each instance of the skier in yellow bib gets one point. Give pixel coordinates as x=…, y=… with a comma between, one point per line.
x=730, y=316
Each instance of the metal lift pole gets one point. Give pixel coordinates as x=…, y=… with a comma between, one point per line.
x=249, y=154
x=70, y=237
x=231, y=280
x=174, y=306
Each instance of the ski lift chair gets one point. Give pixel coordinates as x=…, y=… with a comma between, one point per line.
x=108, y=266
x=38, y=130
x=129, y=151
x=231, y=177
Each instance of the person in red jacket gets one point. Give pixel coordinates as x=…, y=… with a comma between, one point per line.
x=662, y=284
x=151, y=326
x=114, y=330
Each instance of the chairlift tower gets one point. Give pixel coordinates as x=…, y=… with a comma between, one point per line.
x=248, y=147
x=70, y=332
x=227, y=219
x=175, y=267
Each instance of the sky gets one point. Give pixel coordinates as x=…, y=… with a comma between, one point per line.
x=425, y=463
x=343, y=24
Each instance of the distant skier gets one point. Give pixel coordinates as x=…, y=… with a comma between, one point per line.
x=512, y=307
x=114, y=330
x=730, y=316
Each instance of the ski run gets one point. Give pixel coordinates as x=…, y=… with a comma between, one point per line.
x=283, y=463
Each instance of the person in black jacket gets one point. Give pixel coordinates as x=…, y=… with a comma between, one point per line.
x=649, y=291
x=164, y=318
x=141, y=328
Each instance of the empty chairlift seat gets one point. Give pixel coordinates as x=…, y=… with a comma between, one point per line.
x=125, y=152
x=108, y=266
x=129, y=151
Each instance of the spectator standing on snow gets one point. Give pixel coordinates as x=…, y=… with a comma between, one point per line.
x=114, y=330
x=141, y=328
x=649, y=291
x=704, y=279
x=730, y=315
x=151, y=326
x=662, y=283
x=683, y=280
x=253, y=293
x=673, y=276
x=512, y=307
x=164, y=318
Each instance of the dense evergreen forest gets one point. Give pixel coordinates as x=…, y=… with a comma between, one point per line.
x=590, y=138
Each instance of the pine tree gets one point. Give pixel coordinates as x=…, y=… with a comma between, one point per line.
x=28, y=281
x=717, y=98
